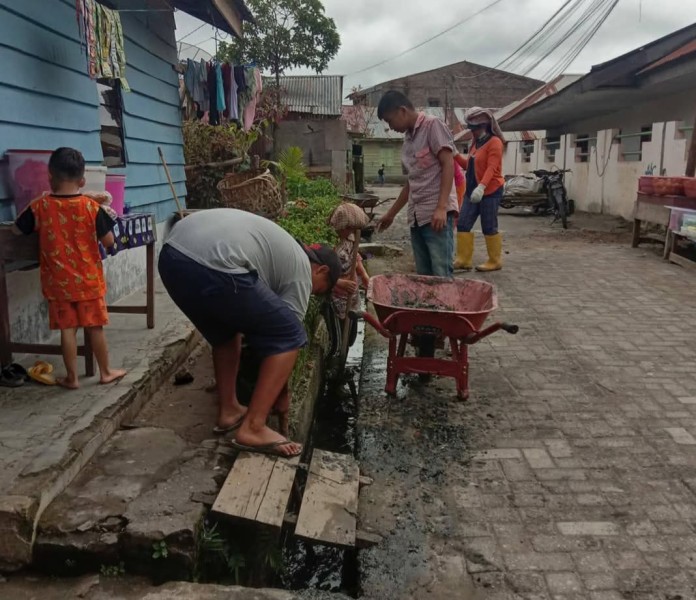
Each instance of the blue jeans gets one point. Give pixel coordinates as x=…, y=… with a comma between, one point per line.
x=487, y=209
x=433, y=250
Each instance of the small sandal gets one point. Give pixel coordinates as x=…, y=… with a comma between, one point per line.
x=41, y=372
x=10, y=379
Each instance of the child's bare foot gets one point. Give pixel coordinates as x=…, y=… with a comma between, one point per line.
x=69, y=383
x=112, y=375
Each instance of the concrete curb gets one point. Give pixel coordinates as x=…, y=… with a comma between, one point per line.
x=22, y=506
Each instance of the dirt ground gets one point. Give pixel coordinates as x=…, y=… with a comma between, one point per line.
x=188, y=410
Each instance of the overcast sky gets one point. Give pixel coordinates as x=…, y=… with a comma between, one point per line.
x=372, y=30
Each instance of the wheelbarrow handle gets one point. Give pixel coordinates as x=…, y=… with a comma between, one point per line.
x=368, y=318
x=512, y=329
x=479, y=335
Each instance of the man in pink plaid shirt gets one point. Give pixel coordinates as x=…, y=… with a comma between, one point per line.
x=428, y=157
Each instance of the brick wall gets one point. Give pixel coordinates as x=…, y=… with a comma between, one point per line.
x=461, y=85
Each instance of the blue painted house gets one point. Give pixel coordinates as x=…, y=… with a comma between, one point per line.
x=48, y=100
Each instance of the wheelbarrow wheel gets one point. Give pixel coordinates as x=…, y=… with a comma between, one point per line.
x=425, y=348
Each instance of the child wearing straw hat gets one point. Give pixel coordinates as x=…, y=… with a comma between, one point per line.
x=347, y=219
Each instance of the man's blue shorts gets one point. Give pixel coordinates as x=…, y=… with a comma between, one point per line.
x=221, y=305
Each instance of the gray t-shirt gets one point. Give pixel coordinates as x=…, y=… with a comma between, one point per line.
x=235, y=241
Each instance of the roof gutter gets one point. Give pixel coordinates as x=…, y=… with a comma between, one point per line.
x=231, y=14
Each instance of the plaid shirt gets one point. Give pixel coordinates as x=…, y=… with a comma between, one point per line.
x=419, y=157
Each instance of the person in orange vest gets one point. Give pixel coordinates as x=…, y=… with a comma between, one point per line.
x=484, y=190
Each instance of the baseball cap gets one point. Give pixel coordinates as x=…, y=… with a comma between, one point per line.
x=321, y=254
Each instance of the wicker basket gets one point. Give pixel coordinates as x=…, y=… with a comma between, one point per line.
x=257, y=192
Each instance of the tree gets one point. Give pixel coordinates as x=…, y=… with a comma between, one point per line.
x=287, y=34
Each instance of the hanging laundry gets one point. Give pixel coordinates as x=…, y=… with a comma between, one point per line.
x=240, y=79
x=243, y=92
x=221, y=105
x=256, y=86
x=226, y=82
x=102, y=34
x=195, y=84
x=214, y=114
x=233, y=105
x=86, y=28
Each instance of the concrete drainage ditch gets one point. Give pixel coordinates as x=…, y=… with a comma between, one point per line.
x=142, y=505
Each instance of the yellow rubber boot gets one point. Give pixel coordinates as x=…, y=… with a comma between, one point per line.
x=465, y=251
x=494, y=244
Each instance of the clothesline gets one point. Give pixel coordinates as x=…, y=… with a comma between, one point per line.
x=217, y=91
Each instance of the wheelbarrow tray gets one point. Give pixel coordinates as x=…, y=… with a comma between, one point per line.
x=419, y=294
x=415, y=305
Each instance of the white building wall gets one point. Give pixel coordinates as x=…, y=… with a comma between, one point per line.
x=607, y=183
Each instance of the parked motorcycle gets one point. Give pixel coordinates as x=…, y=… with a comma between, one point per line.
x=558, y=203
x=547, y=195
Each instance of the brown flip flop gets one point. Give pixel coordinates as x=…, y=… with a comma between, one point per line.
x=217, y=430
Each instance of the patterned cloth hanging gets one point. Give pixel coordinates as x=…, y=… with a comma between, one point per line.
x=102, y=35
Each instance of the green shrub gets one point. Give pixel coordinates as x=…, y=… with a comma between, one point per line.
x=306, y=220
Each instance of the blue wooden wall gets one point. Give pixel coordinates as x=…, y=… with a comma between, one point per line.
x=47, y=100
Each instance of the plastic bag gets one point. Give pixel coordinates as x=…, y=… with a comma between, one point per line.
x=523, y=185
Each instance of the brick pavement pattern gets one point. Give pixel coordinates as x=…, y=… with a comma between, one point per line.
x=582, y=481
x=590, y=463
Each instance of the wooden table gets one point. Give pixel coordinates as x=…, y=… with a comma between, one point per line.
x=673, y=236
x=22, y=252
x=653, y=209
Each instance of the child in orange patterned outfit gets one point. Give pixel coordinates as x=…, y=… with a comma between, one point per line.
x=72, y=278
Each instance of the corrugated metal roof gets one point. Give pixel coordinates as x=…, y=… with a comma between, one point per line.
x=312, y=94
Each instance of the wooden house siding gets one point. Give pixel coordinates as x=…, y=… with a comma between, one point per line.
x=47, y=99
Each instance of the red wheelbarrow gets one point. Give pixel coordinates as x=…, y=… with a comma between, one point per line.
x=415, y=306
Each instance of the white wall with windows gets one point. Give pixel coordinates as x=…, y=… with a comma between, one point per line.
x=608, y=154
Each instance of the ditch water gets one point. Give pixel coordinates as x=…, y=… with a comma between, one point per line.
x=316, y=566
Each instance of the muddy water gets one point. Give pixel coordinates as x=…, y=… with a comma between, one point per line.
x=315, y=566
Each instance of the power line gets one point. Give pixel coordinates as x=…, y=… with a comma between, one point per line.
x=430, y=39
x=555, y=34
x=190, y=33
x=564, y=36
x=596, y=19
x=521, y=49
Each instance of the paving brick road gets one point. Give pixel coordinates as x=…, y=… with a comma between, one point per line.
x=585, y=487
x=580, y=477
